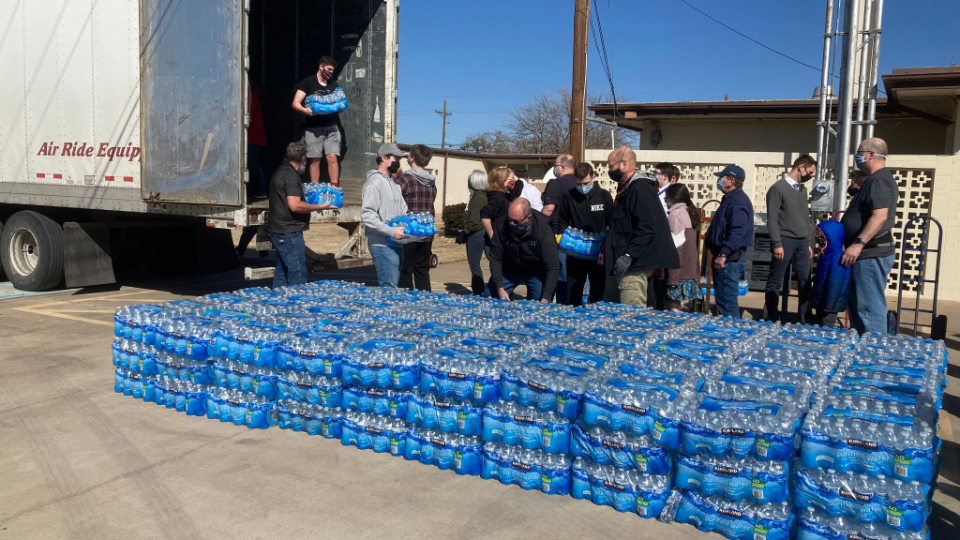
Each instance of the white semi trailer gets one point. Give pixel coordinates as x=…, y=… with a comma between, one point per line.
x=123, y=125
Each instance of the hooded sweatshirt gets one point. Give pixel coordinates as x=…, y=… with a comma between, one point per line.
x=382, y=201
x=832, y=284
x=419, y=190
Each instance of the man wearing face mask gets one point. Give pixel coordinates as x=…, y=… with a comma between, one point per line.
x=322, y=134
x=729, y=236
x=552, y=196
x=383, y=201
x=639, y=238
x=870, y=249
x=523, y=250
x=289, y=216
x=589, y=208
x=788, y=220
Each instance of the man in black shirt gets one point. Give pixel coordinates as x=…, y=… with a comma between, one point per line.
x=289, y=216
x=323, y=130
x=523, y=250
x=870, y=250
x=552, y=195
x=589, y=208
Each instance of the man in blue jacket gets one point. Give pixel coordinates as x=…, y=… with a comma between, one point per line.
x=729, y=236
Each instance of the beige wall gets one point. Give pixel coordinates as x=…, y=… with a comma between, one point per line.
x=458, y=171
x=920, y=178
x=904, y=136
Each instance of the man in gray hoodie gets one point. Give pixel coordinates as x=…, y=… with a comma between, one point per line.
x=419, y=189
x=382, y=201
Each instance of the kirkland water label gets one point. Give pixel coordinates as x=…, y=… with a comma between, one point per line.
x=759, y=383
x=387, y=344
x=631, y=369
x=741, y=406
x=592, y=360
x=557, y=368
x=865, y=416
x=644, y=387
x=875, y=395
x=883, y=386
x=778, y=367
x=546, y=327
x=466, y=355
x=913, y=372
x=488, y=343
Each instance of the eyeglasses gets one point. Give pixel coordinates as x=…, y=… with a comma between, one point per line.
x=519, y=221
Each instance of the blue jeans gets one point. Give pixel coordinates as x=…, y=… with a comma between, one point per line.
x=563, y=293
x=534, y=283
x=726, y=288
x=291, y=259
x=868, y=304
x=387, y=259
x=475, y=243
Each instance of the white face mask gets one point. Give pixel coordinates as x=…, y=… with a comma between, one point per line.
x=302, y=168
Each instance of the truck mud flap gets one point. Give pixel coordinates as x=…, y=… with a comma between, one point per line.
x=87, y=259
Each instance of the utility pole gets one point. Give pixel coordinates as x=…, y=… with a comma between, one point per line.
x=443, y=146
x=578, y=98
x=851, y=38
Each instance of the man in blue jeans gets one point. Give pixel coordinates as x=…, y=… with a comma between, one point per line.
x=289, y=216
x=868, y=237
x=729, y=236
x=383, y=201
x=523, y=250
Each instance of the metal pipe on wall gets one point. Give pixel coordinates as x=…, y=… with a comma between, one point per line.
x=849, y=60
x=864, y=46
x=875, y=69
x=823, y=131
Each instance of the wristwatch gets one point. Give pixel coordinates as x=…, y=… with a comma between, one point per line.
x=860, y=242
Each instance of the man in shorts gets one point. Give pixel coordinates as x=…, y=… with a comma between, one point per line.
x=323, y=130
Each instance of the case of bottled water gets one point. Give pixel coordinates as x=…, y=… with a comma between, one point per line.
x=447, y=414
x=331, y=103
x=624, y=489
x=548, y=385
x=581, y=244
x=814, y=524
x=447, y=451
x=529, y=469
x=243, y=409
x=314, y=420
x=737, y=520
x=323, y=193
x=734, y=478
x=371, y=432
x=416, y=226
x=619, y=448
x=639, y=405
x=311, y=389
x=527, y=427
x=391, y=403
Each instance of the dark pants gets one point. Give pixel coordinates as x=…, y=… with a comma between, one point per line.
x=657, y=291
x=291, y=259
x=475, y=243
x=246, y=236
x=826, y=318
x=534, y=283
x=416, y=266
x=562, y=293
x=578, y=270
x=726, y=288
x=258, y=182
x=796, y=253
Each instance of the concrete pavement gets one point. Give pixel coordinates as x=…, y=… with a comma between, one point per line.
x=79, y=461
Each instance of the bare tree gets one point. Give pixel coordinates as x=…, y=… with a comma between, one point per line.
x=542, y=126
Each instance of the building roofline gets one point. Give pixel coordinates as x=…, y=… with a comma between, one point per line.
x=487, y=157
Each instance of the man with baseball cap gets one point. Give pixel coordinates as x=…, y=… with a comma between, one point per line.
x=383, y=201
x=729, y=236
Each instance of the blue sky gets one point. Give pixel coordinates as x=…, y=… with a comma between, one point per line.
x=487, y=56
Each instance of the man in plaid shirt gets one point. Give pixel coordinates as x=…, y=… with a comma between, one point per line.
x=419, y=189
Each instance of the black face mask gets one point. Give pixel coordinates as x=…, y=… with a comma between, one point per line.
x=851, y=191
x=394, y=167
x=520, y=229
x=616, y=175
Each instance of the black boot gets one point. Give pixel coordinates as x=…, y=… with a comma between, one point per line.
x=477, y=284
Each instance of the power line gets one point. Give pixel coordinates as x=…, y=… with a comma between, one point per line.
x=600, y=44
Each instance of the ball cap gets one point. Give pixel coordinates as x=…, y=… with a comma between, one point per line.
x=732, y=171
x=390, y=149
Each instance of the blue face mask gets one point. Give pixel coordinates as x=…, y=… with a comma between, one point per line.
x=585, y=189
x=858, y=160
x=720, y=184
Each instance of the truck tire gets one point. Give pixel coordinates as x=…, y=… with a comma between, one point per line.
x=3, y=276
x=31, y=251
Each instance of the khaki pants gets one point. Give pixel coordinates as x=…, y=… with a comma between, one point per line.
x=633, y=288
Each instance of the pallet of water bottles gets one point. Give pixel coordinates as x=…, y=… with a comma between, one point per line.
x=679, y=416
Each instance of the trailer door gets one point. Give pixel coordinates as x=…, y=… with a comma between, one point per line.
x=193, y=100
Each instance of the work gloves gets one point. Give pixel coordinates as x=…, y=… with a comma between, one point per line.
x=622, y=265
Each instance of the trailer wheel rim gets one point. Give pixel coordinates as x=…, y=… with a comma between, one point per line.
x=24, y=252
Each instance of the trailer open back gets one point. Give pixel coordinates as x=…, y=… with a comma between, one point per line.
x=123, y=135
